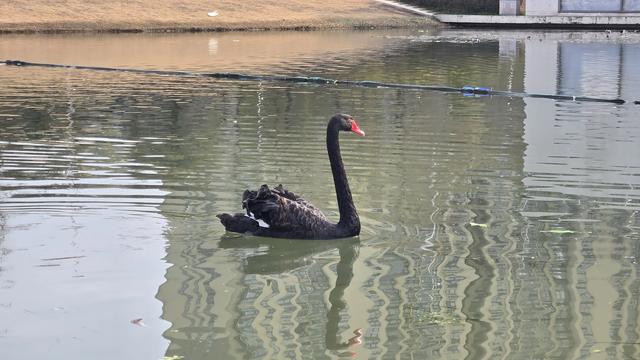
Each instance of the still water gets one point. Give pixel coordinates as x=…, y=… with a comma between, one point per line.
x=493, y=227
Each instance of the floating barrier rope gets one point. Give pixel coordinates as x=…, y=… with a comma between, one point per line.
x=466, y=90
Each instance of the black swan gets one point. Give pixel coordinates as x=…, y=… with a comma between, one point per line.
x=280, y=213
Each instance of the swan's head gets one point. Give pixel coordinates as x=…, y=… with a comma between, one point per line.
x=348, y=123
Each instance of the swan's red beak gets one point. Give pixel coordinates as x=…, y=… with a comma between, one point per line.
x=356, y=129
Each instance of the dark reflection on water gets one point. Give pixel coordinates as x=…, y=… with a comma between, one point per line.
x=492, y=227
x=287, y=256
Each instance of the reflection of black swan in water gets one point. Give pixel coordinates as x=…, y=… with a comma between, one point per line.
x=285, y=256
x=280, y=213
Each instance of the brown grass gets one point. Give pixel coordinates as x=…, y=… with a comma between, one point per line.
x=186, y=15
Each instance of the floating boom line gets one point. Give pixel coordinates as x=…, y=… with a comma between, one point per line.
x=466, y=90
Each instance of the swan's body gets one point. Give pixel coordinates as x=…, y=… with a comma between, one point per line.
x=280, y=213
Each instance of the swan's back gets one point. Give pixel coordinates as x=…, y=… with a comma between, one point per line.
x=282, y=191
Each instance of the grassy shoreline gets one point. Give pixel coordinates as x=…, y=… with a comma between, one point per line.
x=71, y=16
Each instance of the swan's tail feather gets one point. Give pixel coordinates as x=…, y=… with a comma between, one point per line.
x=238, y=223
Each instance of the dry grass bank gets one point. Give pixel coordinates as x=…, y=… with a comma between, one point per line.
x=192, y=15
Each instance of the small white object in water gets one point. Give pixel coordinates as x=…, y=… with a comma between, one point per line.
x=213, y=13
x=213, y=46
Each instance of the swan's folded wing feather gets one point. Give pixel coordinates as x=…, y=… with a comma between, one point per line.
x=282, y=191
x=282, y=212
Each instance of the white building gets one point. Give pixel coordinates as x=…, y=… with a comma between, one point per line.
x=569, y=7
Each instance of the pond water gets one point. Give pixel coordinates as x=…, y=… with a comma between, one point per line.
x=493, y=227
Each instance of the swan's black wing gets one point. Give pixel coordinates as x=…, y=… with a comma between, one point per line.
x=281, y=210
x=239, y=223
x=282, y=191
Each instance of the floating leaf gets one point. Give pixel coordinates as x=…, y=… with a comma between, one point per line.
x=138, y=322
x=559, y=231
x=479, y=225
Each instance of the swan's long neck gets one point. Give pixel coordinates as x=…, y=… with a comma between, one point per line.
x=348, y=216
